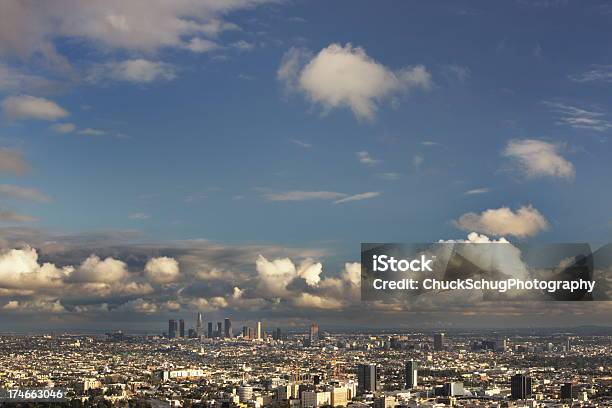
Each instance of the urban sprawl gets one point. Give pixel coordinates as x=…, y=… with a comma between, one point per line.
x=215, y=366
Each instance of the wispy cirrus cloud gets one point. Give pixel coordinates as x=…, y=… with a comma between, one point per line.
x=365, y=158
x=300, y=195
x=22, y=107
x=12, y=161
x=16, y=80
x=301, y=143
x=358, y=197
x=22, y=193
x=389, y=176
x=334, y=196
x=139, y=216
x=63, y=128
x=481, y=190
x=579, y=118
x=429, y=143
x=92, y=132
x=8, y=216
x=537, y=158
x=597, y=73
x=243, y=45
x=137, y=70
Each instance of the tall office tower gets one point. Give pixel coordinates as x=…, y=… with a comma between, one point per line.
x=410, y=374
x=245, y=332
x=452, y=389
x=259, y=334
x=567, y=391
x=439, y=341
x=314, y=333
x=245, y=393
x=568, y=346
x=499, y=345
x=277, y=334
x=367, y=378
x=199, y=324
x=520, y=386
x=172, y=327
x=210, y=330
x=228, y=328
x=182, y=328
x=219, y=332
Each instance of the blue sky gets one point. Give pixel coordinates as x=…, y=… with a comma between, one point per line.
x=192, y=133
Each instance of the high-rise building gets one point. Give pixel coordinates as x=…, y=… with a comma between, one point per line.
x=385, y=401
x=568, y=345
x=452, y=389
x=228, y=328
x=339, y=396
x=285, y=392
x=315, y=399
x=199, y=324
x=259, y=334
x=277, y=334
x=245, y=393
x=567, y=391
x=520, y=386
x=410, y=374
x=210, y=330
x=182, y=328
x=439, y=341
x=314, y=333
x=219, y=332
x=367, y=378
x=172, y=328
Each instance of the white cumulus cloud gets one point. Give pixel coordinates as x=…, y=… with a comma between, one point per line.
x=162, y=270
x=345, y=76
x=275, y=275
x=524, y=222
x=94, y=269
x=20, y=269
